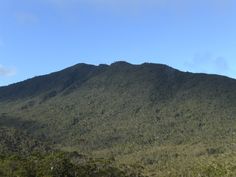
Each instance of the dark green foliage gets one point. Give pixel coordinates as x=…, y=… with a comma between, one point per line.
x=59, y=165
x=147, y=114
x=14, y=141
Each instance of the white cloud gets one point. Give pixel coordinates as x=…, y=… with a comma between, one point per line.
x=6, y=72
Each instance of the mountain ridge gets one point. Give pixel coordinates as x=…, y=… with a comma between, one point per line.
x=73, y=73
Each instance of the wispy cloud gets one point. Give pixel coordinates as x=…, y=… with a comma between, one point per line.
x=221, y=65
x=1, y=43
x=207, y=63
x=7, y=72
x=144, y=3
x=26, y=18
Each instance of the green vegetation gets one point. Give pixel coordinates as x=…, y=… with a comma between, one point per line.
x=60, y=165
x=170, y=122
x=16, y=142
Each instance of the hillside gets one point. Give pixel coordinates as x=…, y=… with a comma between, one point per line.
x=148, y=114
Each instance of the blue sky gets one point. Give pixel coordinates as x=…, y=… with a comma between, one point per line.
x=42, y=36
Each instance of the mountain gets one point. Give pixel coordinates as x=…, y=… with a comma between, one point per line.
x=174, y=123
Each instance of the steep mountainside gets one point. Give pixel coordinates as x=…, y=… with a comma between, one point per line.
x=150, y=113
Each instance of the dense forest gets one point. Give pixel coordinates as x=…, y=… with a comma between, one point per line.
x=61, y=165
x=118, y=120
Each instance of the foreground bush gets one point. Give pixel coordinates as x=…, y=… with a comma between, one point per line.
x=60, y=165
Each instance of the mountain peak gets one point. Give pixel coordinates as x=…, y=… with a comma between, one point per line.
x=121, y=63
x=75, y=76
